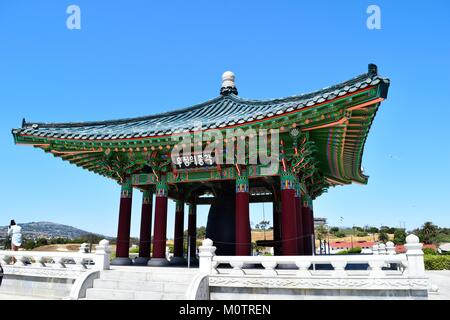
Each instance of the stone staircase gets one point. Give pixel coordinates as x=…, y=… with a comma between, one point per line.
x=141, y=283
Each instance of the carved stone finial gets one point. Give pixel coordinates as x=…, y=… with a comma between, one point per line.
x=228, y=85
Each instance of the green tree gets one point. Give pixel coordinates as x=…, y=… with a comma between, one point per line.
x=263, y=224
x=428, y=233
x=41, y=242
x=340, y=234
x=362, y=234
x=387, y=229
x=94, y=239
x=399, y=236
x=383, y=236
x=334, y=230
x=372, y=230
x=28, y=244
x=201, y=232
x=321, y=232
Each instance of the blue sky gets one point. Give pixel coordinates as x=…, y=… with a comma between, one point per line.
x=133, y=58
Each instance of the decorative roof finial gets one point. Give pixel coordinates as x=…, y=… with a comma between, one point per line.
x=228, y=85
x=373, y=69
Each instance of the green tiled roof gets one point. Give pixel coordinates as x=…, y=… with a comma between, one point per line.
x=220, y=112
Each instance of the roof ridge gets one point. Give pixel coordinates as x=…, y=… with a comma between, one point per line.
x=308, y=95
x=124, y=120
x=371, y=76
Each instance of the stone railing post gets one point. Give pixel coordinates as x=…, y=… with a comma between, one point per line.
x=269, y=268
x=375, y=249
x=390, y=248
x=39, y=261
x=303, y=268
x=339, y=268
x=102, y=255
x=206, y=255
x=84, y=248
x=381, y=249
x=414, y=255
x=376, y=270
x=167, y=253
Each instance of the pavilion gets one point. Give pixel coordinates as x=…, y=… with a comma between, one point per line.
x=318, y=140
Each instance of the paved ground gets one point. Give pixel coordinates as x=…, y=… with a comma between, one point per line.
x=442, y=280
x=16, y=297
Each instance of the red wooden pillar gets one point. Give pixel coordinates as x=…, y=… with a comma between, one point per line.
x=146, y=228
x=178, y=236
x=299, y=220
x=276, y=228
x=159, y=231
x=243, y=233
x=192, y=230
x=306, y=215
x=123, y=230
x=288, y=215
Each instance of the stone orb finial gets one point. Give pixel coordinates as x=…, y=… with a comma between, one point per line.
x=104, y=242
x=412, y=238
x=207, y=243
x=228, y=85
x=228, y=79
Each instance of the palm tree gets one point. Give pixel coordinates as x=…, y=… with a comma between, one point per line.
x=428, y=232
x=321, y=232
x=383, y=236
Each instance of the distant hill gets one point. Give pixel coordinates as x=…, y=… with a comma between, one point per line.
x=45, y=229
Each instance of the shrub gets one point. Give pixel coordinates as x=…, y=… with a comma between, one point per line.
x=436, y=262
x=41, y=242
x=134, y=250
x=399, y=236
x=334, y=229
x=373, y=230
x=28, y=244
x=429, y=251
x=354, y=250
x=362, y=234
x=340, y=234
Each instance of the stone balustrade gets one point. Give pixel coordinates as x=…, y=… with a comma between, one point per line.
x=33, y=262
x=304, y=266
x=384, y=270
x=55, y=275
